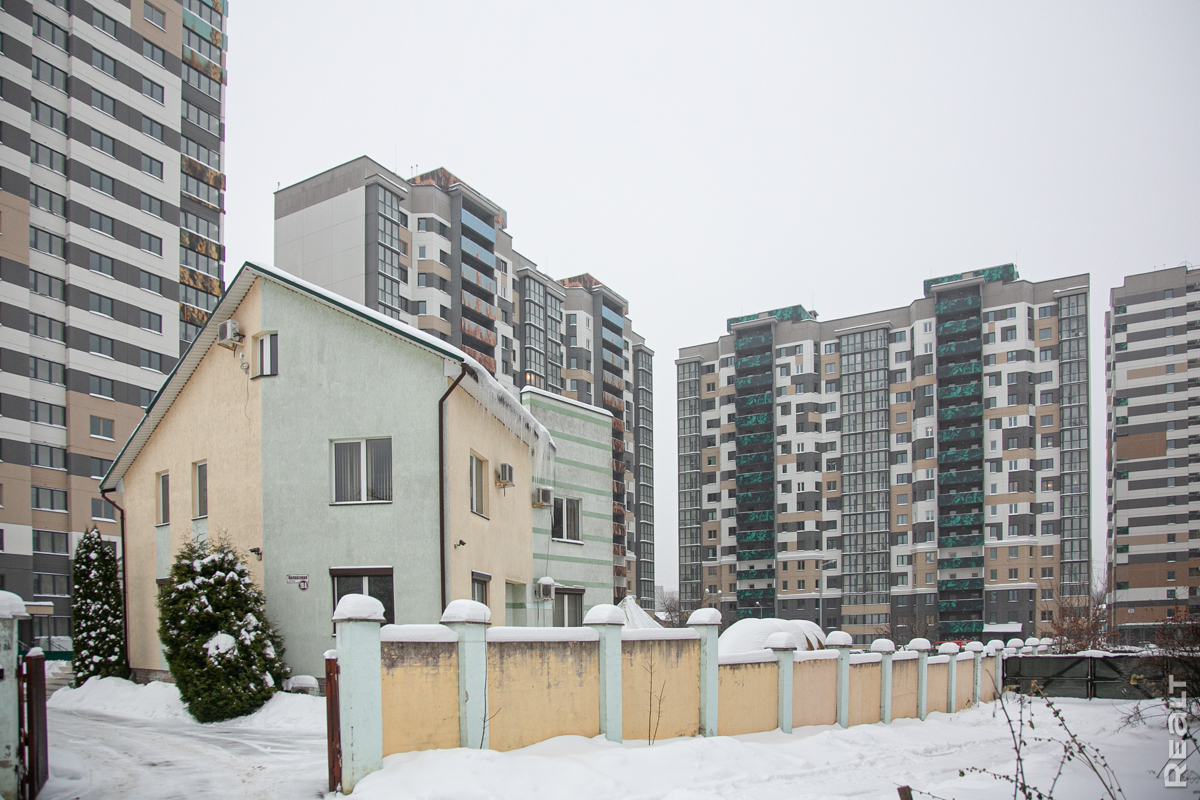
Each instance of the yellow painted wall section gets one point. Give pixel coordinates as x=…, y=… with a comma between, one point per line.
x=500, y=541
x=935, y=697
x=747, y=698
x=964, y=688
x=420, y=696
x=864, y=693
x=988, y=691
x=814, y=692
x=537, y=690
x=216, y=418
x=676, y=667
x=904, y=689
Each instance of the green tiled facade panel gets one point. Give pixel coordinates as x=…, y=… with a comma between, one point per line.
x=750, y=381
x=748, y=439
x=755, y=574
x=749, y=498
x=755, y=477
x=750, y=400
x=972, y=434
x=756, y=458
x=959, y=326
x=967, y=540
x=751, y=420
x=958, y=305
x=961, y=585
x=961, y=456
x=755, y=555
x=966, y=562
x=973, y=389
x=962, y=412
x=959, y=520
x=964, y=368
x=960, y=477
x=961, y=499
x=968, y=347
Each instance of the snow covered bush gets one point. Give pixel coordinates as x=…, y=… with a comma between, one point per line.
x=226, y=658
x=98, y=611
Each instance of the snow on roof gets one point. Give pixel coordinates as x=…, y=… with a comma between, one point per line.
x=561, y=399
x=749, y=635
x=501, y=403
x=635, y=616
x=12, y=606
x=1003, y=627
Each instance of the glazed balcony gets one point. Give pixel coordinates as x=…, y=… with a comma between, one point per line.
x=970, y=605
x=477, y=331
x=752, y=517
x=766, y=535
x=959, y=326
x=753, y=420
x=960, y=499
x=755, y=574
x=959, y=520
x=962, y=369
x=756, y=555
x=955, y=435
x=960, y=477
x=754, y=381
x=961, y=585
x=964, y=562
x=754, y=498
x=754, y=400
x=752, y=478
x=970, y=412
x=958, y=349
x=753, y=362
x=756, y=438
x=966, y=540
x=472, y=275
x=962, y=391
x=485, y=229
x=961, y=456
x=965, y=626
x=757, y=594
x=959, y=305
x=765, y=457
x=765, y=612
x=472, y=249
x=758, y=342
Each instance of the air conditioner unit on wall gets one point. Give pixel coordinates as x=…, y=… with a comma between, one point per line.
x=504, y=475
x=542, y=497
x=543, y=589
x=228, y=334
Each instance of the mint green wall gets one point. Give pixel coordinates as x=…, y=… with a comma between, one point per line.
x=583, y=470
x=338, y=379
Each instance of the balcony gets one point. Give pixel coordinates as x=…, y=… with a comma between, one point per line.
x=487, y=361
x=961, y=391
x=960, y=477
x=971, y=605
x=472, y=275
x=756, y=555
x=961, y=585
x=752, y=342
x=750, y=362
x=756, y=438
x=964, y=348
x=961, y=412
x=966, y=562
x=751, y=478
x=959, y=326
x=969, y=626
x=478, y=253
x=972, y=434
x=614, y=404
x=753, y=381
x=751, y=400
x=481, y=307
x=755, y=516
x=756, y=594
x=959, y=520
x=765, y=457
x=752, y=498
x=958, y=305
x=960, y=370
x=616, y=341
x=765, y=612
x=474, y=223
x=612, y=380
x=961, y=499
x=751, y=420
x=612, y=318
x=755, y=574
x=966, y=540
x=763, y=535
x=478, y=331
x=961, y=456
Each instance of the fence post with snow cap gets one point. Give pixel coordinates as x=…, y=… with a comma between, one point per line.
x=886, y=649
x=706, y=621
x=842, y=642
x=997, y=647
x=950, y=650
x=922, y=647
x=608, y=620
x=469, y=621
x=976, y=650
x=784, y=646
x=12, y=608
x=360, y=667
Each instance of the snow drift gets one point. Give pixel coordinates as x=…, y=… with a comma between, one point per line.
x=750, y=635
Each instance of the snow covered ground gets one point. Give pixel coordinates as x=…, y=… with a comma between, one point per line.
x=114, y=739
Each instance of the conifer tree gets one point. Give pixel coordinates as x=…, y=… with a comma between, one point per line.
x=226, y=658
x=97, y=610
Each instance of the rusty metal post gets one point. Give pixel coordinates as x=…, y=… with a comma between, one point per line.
x=333, y=731
x=38, y=765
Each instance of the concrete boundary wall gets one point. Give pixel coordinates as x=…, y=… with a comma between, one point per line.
x=461, y=684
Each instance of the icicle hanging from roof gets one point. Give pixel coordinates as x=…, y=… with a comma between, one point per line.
x=507, y=408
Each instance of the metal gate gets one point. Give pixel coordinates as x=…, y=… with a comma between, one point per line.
x=1120, y=677
x=333, y=727
x=31, y=714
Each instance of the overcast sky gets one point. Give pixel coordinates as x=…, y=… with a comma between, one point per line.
x=709, y=160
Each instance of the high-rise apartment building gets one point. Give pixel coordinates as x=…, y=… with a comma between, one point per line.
x=113, y=139
x=1151, y=521
x=435, y=253
x=920, y=471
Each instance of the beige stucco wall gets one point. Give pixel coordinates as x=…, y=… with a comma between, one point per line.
x=864, y=693
x=747, y=698
x=814, y=692
x=420, y=696
x=964, y=688
x=676, y=664
x=935, y=691
x=500, y=543
x=904, y=689
x=537, y=690
x=988, y=690
x=216, y=418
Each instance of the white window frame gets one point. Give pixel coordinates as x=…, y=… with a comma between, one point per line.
x=478, y=485
x=363, y=482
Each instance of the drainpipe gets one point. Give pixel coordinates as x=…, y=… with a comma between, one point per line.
x=124, y=579
x=442, y=476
